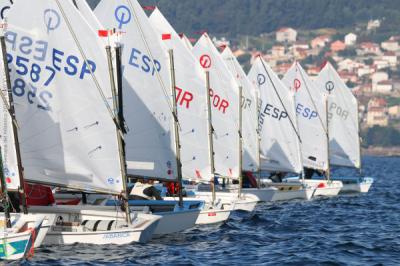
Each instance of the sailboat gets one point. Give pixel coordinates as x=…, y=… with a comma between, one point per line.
x=152, y=139
x=69, y=136
x=11, y=159
x=191, y=98
x=343, y=128
x=280, y=139
x=224, y=121
x=311, y=118
x=250, y=137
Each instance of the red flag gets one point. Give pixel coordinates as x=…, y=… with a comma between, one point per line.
x=103, y=33
x=166, y=36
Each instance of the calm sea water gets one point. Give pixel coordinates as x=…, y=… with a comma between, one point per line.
x=346, y=230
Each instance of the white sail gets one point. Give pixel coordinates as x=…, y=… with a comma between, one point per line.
x=150, y=144
x=311, y=117
x=224, y=106
x=344, y=141
x=188, y=44
x=249, y=112
x=191, y=102
x=59, y=79
x=88, y=14
x=279, y=146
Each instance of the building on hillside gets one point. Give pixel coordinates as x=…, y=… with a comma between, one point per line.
x=348, y=76
x=337, y=46
x=366, y=88
x=379, y=76
x=223, y=42
x=278, y=50
x=377, y=102
x=320, y=41
x=391, y=58
x=350, y=39
x=377, y=116
x=394, y=111
x=390, y=45
x=286, y=35
x=373, y=24
x=301, y=45
x=377, y=112
x=300, y=53
x=313, y=70
x=239, y=52
x=383, y=87
x=282, y=68
x=379, y=63
x=347, y=64
x=370, y=48
x=365, y=70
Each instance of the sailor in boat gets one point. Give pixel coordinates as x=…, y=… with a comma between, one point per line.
x=277, y=177
x=309, y=172
x=145, y=190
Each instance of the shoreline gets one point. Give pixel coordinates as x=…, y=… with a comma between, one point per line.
x=381, y=151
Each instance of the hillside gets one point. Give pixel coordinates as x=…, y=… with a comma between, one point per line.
x=252, y=17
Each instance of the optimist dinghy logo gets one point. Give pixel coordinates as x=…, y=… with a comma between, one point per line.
x=260, y=79
x=205, y=61
x=123, y=16
x=52, y=20
x=296, y=84
x=329, y=86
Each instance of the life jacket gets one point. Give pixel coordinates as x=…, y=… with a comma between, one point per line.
x=138, y=190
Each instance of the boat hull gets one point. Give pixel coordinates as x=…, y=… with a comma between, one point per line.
x=244, y=203
x=262, y=194
x=16, y=242
x=355, y=184
x=292, y=191
x=70, y=225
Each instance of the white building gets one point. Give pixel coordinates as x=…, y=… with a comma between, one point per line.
x=389, y=45
x=350, y=39
x=286, y=35
x=384, y=87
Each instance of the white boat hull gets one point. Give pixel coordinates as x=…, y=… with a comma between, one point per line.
x=213, y=216
x=304, y=193
x=244, y=203
x=325, y=188
x=173, y=222
x=210, y=214
x=72, y=228
x=262, y=194
x=355, y=184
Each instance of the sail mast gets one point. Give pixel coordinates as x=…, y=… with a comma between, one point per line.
x=210, y=134
x=240, y=142
x=119, y=131
x=328, y=171
x=176, y=126
x=258, y=141
x=21, y=189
